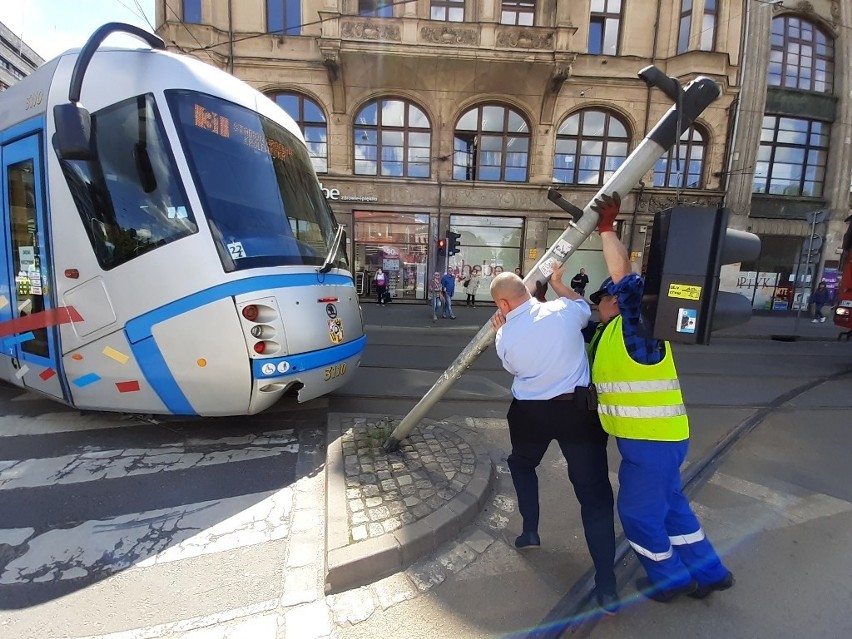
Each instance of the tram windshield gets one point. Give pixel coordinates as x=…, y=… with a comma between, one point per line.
x=256, y=183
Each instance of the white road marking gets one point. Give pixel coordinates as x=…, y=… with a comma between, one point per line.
x=151, y=537
x=96, y=463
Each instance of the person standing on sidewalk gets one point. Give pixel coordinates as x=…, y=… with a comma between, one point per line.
x=540, y=344
x=437, y=298
x=381, y=281
x=579, y=282
x=820, y=298
x=640, y=404
x=448, y=288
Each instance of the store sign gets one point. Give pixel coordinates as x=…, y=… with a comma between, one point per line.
x=336, y=196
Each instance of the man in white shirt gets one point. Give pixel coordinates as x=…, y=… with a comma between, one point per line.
x=541, y=345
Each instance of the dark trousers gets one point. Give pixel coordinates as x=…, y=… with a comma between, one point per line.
x=532, y=426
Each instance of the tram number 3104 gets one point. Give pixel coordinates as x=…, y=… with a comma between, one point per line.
x=335, y=371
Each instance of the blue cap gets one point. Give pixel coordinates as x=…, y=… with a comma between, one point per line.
x=603, y=290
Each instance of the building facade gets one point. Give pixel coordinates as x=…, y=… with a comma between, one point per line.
x=17, y=60
x=425, y=116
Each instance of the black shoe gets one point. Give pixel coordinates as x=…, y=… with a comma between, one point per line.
x=647, y=588
x=723, y=584
x=607, y=602
x=528, y=540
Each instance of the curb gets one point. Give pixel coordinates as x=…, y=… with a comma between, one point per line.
x=349, y=563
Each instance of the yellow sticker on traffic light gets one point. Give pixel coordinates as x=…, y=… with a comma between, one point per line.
x=685, y=291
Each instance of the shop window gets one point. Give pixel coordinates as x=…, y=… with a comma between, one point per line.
x=588, y=256
x=311, y=120
x=683, y=166
x=801, y=56
x=590, y=146
x=792, y=157
x=604, y=27
x=398, y=243
x=488, y=246
x=491, y=144
x=392, y=138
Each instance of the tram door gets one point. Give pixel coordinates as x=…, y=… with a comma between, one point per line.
x=27, y=321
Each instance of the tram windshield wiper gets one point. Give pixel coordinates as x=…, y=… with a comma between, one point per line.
x=332, y=253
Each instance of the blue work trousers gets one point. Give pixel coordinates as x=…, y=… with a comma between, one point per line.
x=656, y=516
x=448, y=306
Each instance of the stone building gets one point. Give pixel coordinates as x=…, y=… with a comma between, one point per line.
x=17, y=60
x=425, y=116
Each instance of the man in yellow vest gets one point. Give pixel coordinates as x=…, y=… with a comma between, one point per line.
x=640, y=404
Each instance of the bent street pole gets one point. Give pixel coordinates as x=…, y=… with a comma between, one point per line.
x=690, y=102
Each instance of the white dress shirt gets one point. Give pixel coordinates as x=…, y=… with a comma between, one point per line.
x=542, y=346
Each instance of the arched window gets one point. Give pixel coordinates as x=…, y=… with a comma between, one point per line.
x=801, y=56
x=311, y=120
x=492, y=143
x=590, y=146
x=393, y=138
x=684, y=166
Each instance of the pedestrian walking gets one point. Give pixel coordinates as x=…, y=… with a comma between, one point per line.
x=540, y=344
x=640, y=404
x=448, y=288
x=820, y=298
x=471, y=286
x=579, y=282
x=381, y=281
x=435, y=294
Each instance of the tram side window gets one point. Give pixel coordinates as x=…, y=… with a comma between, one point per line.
x=129, y=199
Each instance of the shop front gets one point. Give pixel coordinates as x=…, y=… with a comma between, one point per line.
x=398, y=243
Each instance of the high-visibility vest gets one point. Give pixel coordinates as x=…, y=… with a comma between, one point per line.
x=636, y=401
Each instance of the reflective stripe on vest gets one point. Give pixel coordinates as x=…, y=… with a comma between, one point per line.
x=636, y=401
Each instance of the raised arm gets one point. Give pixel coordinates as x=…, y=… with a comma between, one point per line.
x=558, y=285
x=615, y=253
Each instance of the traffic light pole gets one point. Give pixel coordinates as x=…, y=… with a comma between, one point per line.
x=690, y=102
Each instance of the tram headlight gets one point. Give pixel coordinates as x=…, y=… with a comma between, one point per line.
x=250, y=312
x=257, y=331
x=842, y=311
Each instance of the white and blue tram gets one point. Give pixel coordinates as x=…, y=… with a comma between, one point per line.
x=166, y=249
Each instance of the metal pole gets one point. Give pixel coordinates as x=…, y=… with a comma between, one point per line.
x=807, y=263
x=696, y=97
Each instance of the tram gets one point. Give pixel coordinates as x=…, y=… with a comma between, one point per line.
x=166, y=247
x=843, y=304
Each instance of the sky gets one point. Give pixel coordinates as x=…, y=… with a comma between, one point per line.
x=50, y=27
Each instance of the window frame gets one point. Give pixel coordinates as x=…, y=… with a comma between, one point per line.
x=380, y=128
x=684, y=28
x=807, y=149
x=602, y=17
x=476, y=142
x=195, y=8
x=375, y=8
x=712, y=15
x=304, y=124
x=290, y=14
x=515, y=9
x=446, y=6
x=687, y=145
x=783, y=51
x=606, y=139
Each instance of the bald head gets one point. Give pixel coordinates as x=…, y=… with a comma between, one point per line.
x=508, y=292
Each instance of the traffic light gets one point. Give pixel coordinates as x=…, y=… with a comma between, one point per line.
x=442, y=246
x=452, y=242
x=688, y=247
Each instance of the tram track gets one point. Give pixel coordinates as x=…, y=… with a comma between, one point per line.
x=570, y=616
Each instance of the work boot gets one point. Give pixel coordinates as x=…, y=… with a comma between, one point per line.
x=723, y=584
x=653, y=591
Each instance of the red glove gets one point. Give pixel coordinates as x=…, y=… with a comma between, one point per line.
x=607, y=207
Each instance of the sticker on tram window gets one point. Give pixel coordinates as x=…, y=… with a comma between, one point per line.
x=335, y=371
x=236, y=250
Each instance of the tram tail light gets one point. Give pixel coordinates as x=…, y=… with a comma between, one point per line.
x=250, y=312
x=260, y=347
